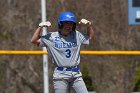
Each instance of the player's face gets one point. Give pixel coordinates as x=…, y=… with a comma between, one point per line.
x=67, y=28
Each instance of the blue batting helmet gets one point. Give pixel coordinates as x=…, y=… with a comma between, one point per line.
x=66, y=16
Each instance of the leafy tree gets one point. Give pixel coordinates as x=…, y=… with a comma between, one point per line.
x=137, y=80
x=87, y=79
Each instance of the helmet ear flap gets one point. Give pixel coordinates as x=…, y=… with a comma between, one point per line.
x=60, y=25
x=74, y=26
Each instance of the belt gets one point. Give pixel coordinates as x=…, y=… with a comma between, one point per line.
x=75, y=69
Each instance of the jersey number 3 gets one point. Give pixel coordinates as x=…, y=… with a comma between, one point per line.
x=68, y=53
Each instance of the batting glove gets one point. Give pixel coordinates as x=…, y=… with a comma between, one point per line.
x=45, y=24
x=84, y=21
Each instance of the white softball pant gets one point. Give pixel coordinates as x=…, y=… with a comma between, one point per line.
x=64, y=85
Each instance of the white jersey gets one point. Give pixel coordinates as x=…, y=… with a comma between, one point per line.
x=64, y=50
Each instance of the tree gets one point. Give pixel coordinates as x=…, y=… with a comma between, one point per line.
x=137, y=81
x=87, y=79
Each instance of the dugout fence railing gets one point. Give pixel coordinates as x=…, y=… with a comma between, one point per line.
x=83, y=52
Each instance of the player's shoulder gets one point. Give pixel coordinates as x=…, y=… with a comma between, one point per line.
x=54, y=34
x=78, y=32
x=50, y=34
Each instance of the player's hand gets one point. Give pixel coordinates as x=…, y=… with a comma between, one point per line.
x=45, y=24
x=84, y=21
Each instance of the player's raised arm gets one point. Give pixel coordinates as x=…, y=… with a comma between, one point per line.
x=36, y=36
x=90, y=31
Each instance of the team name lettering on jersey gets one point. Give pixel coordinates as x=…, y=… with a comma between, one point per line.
x=60, y=44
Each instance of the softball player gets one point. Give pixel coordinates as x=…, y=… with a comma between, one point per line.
x=64, y=48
